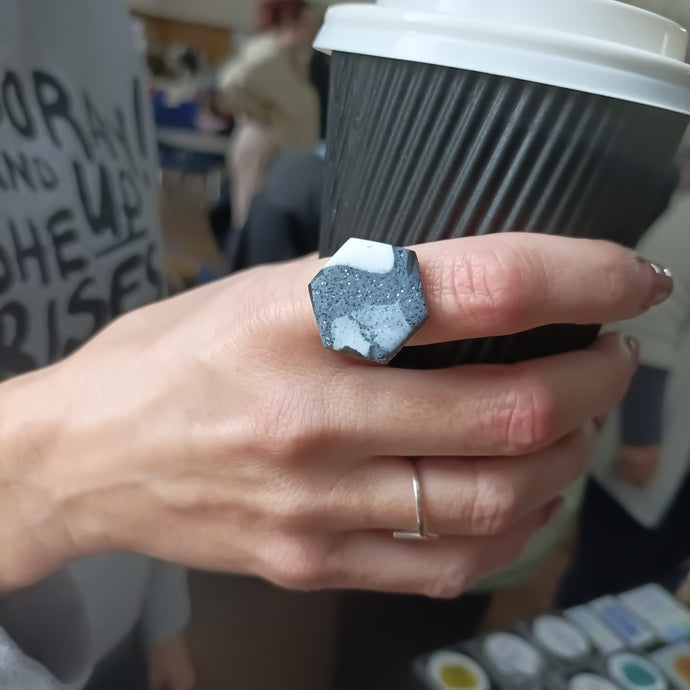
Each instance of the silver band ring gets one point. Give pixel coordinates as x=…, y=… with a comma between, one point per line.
x=421, y=534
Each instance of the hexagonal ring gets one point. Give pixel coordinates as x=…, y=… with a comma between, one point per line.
x=368, y=300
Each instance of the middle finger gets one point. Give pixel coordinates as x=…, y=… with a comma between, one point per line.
x=483, y=409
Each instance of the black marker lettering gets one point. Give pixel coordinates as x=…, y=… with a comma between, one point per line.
x=132, y=203
x=33, y=250
x=153, y=273
x=80, y=305
x=56, y=106
x=120, y=288
x=65, y=238
x=14, y=328
x=120, y=131
x=6, y=277
x=18, y=168
x=53, y=336
x=102, y=217
x=45, y=173
x=97, y=125
x=16, y=106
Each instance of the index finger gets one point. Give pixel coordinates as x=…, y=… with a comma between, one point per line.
x=500, y=284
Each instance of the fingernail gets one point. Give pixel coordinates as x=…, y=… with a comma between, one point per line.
x=662, y=282
x=551, y=510
x=633, y=344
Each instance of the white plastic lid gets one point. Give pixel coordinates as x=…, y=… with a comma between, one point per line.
x=598, y=46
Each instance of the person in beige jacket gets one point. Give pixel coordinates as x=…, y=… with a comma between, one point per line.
x=267, y=89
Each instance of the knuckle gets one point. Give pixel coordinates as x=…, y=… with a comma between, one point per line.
x=495, y=506
x=290, y=425
x=288, y=510
x=492, y=285
x=529, y=418
x=297, y=564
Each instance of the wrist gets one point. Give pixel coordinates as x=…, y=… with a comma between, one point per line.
x=34, y=536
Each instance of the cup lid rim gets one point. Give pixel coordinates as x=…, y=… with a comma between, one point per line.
x=549, y=55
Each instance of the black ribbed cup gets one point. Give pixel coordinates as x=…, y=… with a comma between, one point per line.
x=419, y=153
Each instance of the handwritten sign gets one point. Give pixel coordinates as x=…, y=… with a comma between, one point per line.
x=76, y=246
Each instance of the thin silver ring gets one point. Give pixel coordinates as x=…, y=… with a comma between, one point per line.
x=421, y=534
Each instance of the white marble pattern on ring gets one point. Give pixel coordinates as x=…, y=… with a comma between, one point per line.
x=368, y=300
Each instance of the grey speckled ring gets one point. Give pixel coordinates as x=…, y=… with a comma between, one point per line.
x=368, y=300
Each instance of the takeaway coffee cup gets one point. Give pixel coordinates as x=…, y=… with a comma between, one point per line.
x=451, y=118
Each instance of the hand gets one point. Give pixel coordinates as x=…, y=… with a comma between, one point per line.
x=638, y=464
x=214, y=430
x=170, y=665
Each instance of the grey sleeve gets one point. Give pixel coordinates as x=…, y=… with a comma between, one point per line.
x=44, y=637
x=166, y=607
x=20, y=672
x=642, y=407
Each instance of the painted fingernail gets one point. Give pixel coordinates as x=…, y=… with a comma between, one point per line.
x=633, y=344
x=551, y=510
x=662, y=282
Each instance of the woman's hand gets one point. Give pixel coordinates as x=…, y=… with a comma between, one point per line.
x=214, y=430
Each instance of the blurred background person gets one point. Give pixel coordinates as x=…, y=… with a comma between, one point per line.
x=268, y=90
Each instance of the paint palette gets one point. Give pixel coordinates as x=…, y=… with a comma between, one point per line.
x=634, y=672
x=635, y=633
x=590, y=681
x=639, y=640
x=600, y=635
x=512, y=659
x=663, y=612
x=675, y=663
x=561, y=641
x=451, y=670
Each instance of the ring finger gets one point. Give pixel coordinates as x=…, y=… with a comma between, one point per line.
x=474, y=496
x=443, y=568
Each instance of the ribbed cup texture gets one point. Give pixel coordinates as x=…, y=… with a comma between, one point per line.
x=418, y=153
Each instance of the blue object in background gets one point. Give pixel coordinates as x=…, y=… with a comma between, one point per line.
x=181, y=116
